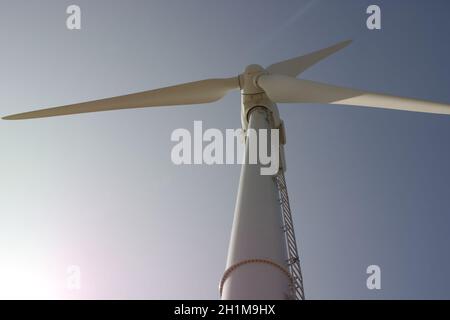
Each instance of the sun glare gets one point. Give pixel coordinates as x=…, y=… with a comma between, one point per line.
x=28, y=283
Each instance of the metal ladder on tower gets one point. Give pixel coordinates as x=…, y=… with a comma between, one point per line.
x=288, y=228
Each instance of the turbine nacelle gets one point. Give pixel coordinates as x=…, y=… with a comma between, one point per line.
x=253, y=96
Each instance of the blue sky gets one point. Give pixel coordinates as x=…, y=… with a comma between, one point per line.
x=100, y=191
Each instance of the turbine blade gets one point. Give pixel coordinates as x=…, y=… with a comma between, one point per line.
x=199, y=92
x=283, y=89
x=295, y=66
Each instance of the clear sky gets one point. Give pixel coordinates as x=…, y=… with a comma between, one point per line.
x=99, y=190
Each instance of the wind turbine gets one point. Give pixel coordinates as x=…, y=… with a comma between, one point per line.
x=262, y=259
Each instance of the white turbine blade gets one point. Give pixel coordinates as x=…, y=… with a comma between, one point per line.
x=283, y=89
x=295, y=66
x=199, y=92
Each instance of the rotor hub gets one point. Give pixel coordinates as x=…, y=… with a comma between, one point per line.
x=248, y=79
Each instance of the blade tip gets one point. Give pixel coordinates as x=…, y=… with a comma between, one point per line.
x=12, y=117
x=347, y=42
x=19, y=116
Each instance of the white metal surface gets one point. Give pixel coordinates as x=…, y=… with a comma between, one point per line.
x=257, y=260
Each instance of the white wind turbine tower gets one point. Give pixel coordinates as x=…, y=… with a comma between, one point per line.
x=262, y=259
